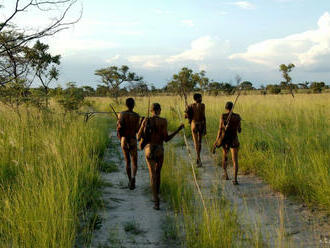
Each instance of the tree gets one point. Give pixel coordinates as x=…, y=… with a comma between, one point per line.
x=317, y=86
x=72, y=98
x=273, y=89
x=185, y=81
x=228, y=89
x=203, y=81
x=88, y=91
x=140, y=89
x=12, y=36
x=16, y=70
x=246, y=85
x=44, y=66
x=286, y=69
x=101, y=90
x=14, y=64
x=113, y=77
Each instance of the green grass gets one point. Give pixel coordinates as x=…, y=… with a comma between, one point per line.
x=217, y=227
x=285, y=140
x=48, y=176
x=133, y=227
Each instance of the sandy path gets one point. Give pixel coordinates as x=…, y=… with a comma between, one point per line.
x=260, y=207
x=128, y=219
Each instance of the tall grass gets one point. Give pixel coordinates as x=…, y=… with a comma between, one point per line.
x=286, y=141
x=48, y=176
x=216, y=227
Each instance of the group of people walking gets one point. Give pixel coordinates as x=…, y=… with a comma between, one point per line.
x=152, y=132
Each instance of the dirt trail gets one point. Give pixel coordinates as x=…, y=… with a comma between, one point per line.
x=260, y=207
x=128, y=219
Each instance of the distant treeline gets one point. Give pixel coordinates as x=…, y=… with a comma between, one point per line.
x=213, y=88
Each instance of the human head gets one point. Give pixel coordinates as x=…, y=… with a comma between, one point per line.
x=198, y=97
x=229, y=106
x=130, y=103
x=156, y=109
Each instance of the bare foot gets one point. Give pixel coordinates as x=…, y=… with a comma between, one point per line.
x=132, y=184
x=235, y=182
x=225, y=177
x=156, y=206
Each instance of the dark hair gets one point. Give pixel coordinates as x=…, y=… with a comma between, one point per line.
x=130, y=103
x=156, y=107
x=229, y=105
x=197, y=96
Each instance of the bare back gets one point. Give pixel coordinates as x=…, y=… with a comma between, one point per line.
x=128, y=124
x=196, y=112
x=234, y=125
x=158, y=128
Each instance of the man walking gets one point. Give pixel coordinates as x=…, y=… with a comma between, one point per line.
x=230, y=125
x=196, y=115
x=127, y=128
x=154, y=150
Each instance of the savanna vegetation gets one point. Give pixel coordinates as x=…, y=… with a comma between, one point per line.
x=284, y=140
x=49, y=157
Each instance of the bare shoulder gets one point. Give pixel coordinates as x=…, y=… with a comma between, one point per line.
x=162, y=121
x=237, y=116
x=121, y=114
x=135, y=114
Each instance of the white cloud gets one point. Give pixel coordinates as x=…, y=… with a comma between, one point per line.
x=147, y=61
x=310, y=48
x=201, y=52
x=67, y=46
x=85, y=36
x=198, y=51
x=244, y=5
x=112, y=59
x=188, y=23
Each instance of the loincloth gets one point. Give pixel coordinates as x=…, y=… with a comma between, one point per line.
x=154, y=152
x=129, y=144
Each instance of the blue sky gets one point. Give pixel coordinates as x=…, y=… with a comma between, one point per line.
x=223, y=37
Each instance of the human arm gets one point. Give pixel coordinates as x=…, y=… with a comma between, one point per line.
x=142, y=126
x=189, y=113
x=120, y=125
x=204, y=119
x=221, y=129
x=239, y=129
x=168, y=137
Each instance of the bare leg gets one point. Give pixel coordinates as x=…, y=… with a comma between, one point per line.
x=134, y=160
x=153, y=178
x=158, y=171
x=224, y=163
x=197, y=145
x=234, y=155
x=128, y=162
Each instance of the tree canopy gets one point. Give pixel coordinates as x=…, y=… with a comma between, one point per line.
x=113, y=77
